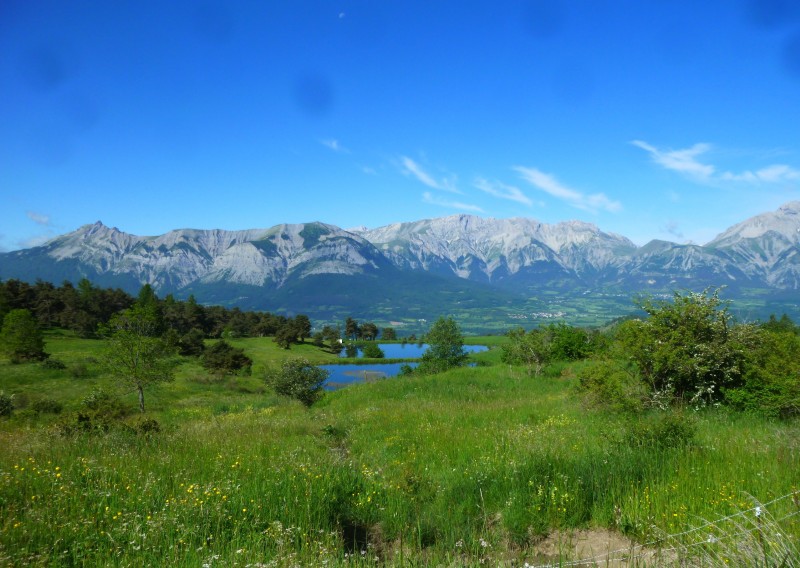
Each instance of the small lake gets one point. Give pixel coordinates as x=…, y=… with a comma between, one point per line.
x=405, y=350
x=342, y=375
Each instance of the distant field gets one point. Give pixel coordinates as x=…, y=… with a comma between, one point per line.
x=477, y=466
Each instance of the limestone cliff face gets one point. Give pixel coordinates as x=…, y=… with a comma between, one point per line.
x=766, y=246
x=478, y=248
x=763, y=251
x=257, y=257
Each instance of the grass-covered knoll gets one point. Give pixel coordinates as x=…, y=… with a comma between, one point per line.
x=474, y=466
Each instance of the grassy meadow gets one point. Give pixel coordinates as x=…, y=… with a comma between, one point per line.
x=483, y=465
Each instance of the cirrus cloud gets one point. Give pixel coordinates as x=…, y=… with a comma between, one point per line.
x=684, y=161
x=413, y=169
x=549, y=184
x=687, y=162
x=503, y=191
x=431, y=199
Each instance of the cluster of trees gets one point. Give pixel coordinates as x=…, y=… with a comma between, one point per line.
x=367, y=331
x=80, y=308
x=85, y=307
x=554, y=342
x=689, y=350
x=142, y=335
x=353, y=331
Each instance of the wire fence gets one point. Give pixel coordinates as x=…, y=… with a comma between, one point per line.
x=655, y=547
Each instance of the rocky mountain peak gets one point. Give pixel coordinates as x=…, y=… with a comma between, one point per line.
x=783, y=224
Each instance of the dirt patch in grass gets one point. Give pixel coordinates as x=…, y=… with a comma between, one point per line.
x=597, y=547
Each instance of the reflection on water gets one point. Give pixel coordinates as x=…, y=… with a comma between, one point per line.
x=403, y=350
x=342, y=375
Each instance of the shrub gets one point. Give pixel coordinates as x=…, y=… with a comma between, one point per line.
x=372, y=351
x=611, y=384
x=771, y=384
x=147, y=427
x=670, y=429
x=222, y=358
x=6, y=404
x=445, y=348
x=299, y=379
x=192, y=343
x=689, y=348
x=54, y=364
x=532, y=349
x=47, y=405
x=99, y=413
x=101, y=402
x=79, y=371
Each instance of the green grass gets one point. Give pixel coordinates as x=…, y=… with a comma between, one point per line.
x=474, y=465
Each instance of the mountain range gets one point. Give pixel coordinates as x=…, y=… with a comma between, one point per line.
x=407, y=269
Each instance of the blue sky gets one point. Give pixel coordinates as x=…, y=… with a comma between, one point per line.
x=653, y=119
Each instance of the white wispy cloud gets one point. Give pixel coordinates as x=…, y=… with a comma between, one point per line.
x=410, y=167
x=38, y=218
x=428, y=197
x=503, y=191
x=777, y=173
x=684, y=161
x=687, y=162
x=549, y=184
x=334, y=145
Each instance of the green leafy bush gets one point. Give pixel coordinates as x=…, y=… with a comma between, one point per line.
x=54, y=364
x=661, y=429
x=772, y=380
x=688, y=349
x=532, y=349
x=79, y=370
x=372, y=351
x=100, y=412
x=611, y=384
x=6, y=404
x=102, y=402
x=299, y=379
x=147, y=427
x=47, y=405
x=222, y=358
x=445, y=348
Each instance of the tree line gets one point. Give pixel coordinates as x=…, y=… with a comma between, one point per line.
x=85, y=307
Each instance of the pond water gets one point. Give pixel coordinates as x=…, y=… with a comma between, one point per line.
x=405, y=350
x=342, y=375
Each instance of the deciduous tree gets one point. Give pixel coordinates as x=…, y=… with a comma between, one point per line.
x=445, y=347
x=136, y=354
x=532, y=349
x=299, y=379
